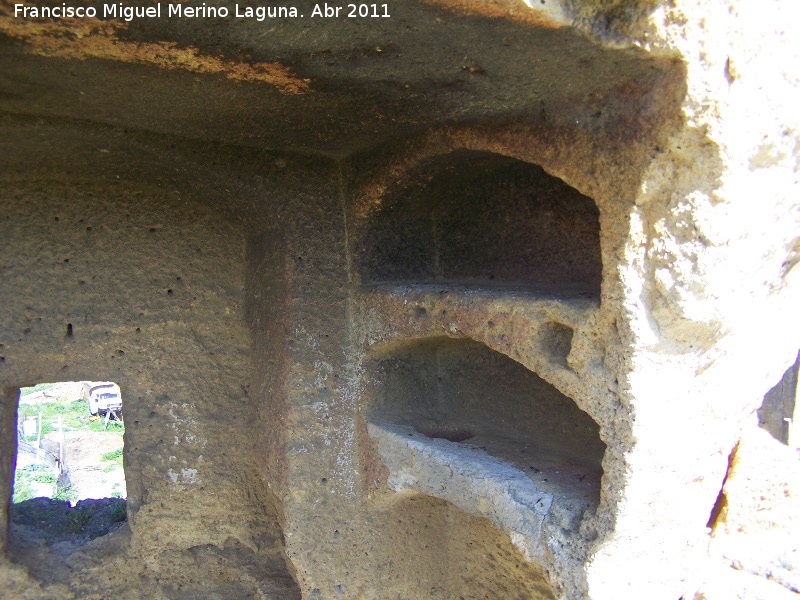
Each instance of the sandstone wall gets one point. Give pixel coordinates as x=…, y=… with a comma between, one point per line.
x=153, y=289
x=477, y=301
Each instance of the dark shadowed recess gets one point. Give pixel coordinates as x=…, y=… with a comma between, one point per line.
x=462, y=391
x=485, y=220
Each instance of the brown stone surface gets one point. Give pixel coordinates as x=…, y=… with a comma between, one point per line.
x=154, y=293
x=569, y=227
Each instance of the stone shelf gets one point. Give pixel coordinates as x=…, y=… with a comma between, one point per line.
x=491, y=478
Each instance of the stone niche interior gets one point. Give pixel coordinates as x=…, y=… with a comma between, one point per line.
x=459, y=390
x=484, y=220
x=476, y=271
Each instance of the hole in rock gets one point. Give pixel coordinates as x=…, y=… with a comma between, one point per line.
x=556, y=341
x=462, y=391
x=482, y=219
x=451, y=435
x=69, y=481
x=777, y=413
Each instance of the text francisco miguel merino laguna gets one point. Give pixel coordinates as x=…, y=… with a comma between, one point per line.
x=129, y=13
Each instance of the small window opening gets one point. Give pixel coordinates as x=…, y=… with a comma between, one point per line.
x=69, y=481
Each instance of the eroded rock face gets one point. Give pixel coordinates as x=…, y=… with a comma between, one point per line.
x=154, y=296
x=552, y=243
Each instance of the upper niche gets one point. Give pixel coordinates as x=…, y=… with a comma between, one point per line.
x=482, y=219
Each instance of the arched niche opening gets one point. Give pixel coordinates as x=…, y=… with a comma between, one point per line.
x=462, y=391
x=482, y=219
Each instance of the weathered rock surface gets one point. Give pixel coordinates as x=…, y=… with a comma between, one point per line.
x=564, y=232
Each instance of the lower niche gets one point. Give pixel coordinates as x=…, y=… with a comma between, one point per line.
x=458, y=421
x=462, y=391
x=69, y=481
